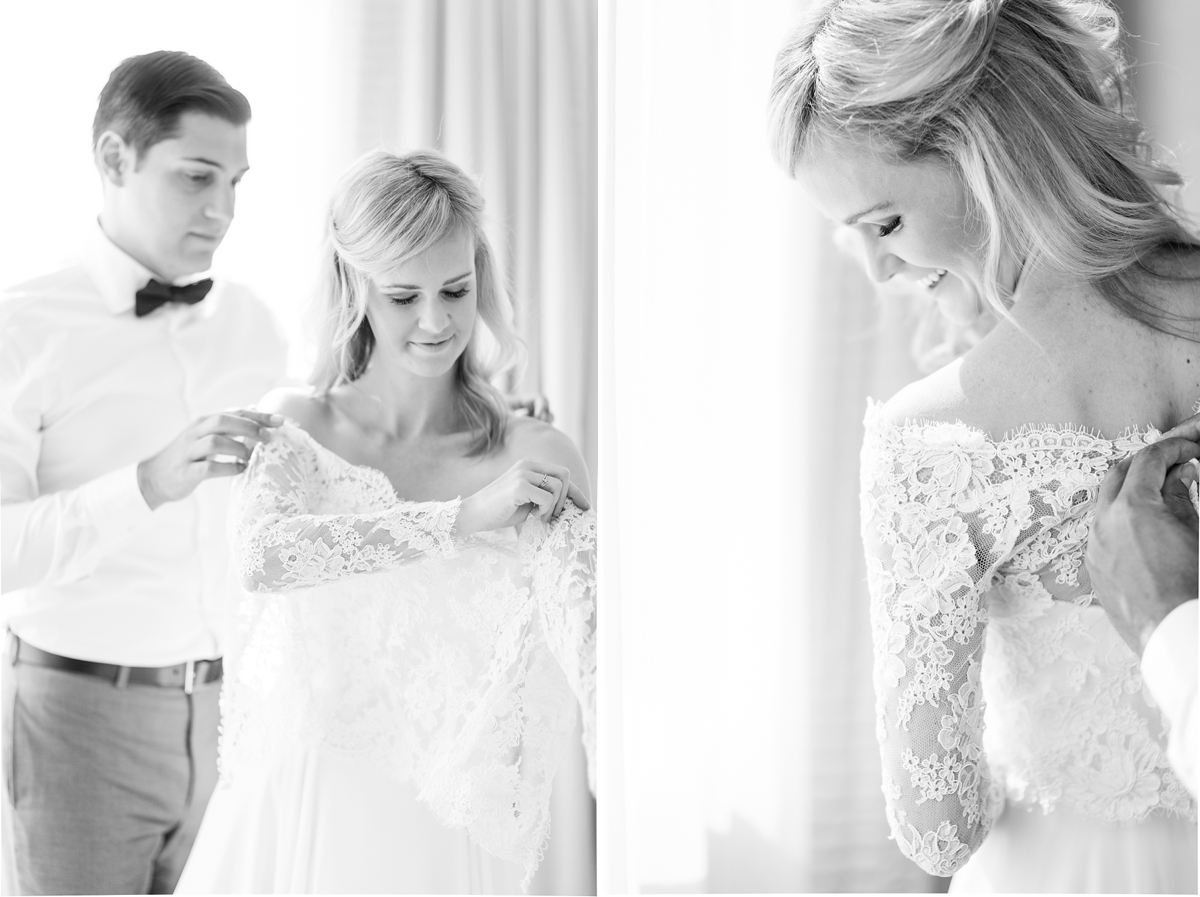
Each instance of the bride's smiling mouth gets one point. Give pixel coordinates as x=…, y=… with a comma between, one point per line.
x=432, y=345
x=931, y=280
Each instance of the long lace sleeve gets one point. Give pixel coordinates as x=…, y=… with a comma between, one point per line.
x=561, y=560
x=279, y=545
x=930, y=555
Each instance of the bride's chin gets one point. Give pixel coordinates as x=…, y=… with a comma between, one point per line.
x=957, y=301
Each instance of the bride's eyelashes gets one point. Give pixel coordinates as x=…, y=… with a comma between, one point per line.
x=410, y=298
x=889, y=227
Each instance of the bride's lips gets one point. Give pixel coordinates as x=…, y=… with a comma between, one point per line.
x=433, y=346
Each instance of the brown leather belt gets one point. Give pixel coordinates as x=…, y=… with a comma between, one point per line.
x=181, y=675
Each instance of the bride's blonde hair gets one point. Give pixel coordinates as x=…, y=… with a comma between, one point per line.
x=387, y=209
x=1026, y=100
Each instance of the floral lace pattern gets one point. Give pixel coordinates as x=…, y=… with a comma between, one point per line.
x=456, y=666
x=975, y=568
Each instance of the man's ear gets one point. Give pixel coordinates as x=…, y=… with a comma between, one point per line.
x=114, y=157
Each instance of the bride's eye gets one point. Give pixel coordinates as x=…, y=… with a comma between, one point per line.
x=456, y=294
x=885, y=229
x=408, y=299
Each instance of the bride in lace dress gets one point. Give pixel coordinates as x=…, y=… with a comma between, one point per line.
x=986, y=150
x=406, y=666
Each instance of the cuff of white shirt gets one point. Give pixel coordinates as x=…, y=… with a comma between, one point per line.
x=115, y=501
x=1169, y=661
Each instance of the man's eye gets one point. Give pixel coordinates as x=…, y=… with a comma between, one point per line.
x=198, y=178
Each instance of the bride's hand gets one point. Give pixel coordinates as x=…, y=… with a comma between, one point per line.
x=527, y=487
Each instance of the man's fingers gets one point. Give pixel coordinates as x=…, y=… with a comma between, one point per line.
x=209, y=447
x=1175, y=493
x=1148, y=468
x=1111, y=487
x=1188, y=429
x=233, y=424
x=262, y=417
x=211, y=469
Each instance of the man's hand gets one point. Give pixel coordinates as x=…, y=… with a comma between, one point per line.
x=190, y=458
x=1142, y=548
x=537, y=406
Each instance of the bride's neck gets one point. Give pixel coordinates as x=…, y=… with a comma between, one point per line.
x=402, y=405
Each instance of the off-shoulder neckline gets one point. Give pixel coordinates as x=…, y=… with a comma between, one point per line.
x=378, y=474
x=1132, y=435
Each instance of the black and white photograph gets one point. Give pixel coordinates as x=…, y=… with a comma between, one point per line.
x=298, y=538
x=600, y=446
x=894, y=285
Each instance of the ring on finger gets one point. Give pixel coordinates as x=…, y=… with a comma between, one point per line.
x=542, y=484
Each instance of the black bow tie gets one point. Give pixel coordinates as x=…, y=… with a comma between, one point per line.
x=154, y=294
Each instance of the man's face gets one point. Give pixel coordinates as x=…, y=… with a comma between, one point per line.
x=172, y=208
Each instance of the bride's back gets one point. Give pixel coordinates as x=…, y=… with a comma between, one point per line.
x=1068, y=358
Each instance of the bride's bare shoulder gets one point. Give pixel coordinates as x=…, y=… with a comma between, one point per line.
x=938, y=397
x=1004, y=382
x=531, y=438
x=299, y=404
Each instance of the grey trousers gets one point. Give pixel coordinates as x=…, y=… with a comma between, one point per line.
x=104, y=787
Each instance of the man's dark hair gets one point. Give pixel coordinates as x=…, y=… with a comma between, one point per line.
x=145, y=95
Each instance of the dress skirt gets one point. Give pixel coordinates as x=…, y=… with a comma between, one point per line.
x=1062, y=852
x=318, y=821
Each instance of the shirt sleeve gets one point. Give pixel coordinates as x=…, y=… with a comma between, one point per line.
x=60, y=537
x=929, y=560
x=561, y=560
x=1169, y=670
x=280, y=545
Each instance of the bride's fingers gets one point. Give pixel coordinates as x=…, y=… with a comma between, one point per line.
x=533, y=494
x=576, y=495
x=553, y=486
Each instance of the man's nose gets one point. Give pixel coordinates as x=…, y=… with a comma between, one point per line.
x=221, y=206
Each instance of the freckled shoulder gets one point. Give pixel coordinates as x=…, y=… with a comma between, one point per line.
x=539, y=441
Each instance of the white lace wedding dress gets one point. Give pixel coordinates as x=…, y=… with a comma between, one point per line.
x=396, y=701
x=1020, y=751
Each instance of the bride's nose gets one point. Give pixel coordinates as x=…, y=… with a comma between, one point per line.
x=881, y=264
x=434, y=318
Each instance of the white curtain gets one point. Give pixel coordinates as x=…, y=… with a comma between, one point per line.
x=738, y=347
x=508, y=92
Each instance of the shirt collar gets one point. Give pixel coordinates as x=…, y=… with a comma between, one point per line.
x=117, y=275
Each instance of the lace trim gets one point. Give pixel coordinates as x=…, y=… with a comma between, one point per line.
x=975, y=567
x=456, y=668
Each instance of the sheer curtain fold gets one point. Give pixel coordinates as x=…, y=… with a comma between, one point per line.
x=507, y=90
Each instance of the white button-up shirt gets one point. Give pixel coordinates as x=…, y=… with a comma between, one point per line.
x=1169, y=668
x=88, y=390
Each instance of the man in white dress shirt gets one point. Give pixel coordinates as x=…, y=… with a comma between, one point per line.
x=115, y=440
x=1144, y=560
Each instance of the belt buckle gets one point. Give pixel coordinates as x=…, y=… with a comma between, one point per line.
x=189, y=676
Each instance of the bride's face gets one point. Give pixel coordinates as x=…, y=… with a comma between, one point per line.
x=423, y=311
x=911, y=218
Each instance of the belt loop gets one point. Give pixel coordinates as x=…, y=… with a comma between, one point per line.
x=122, y=679
x=189, y=676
